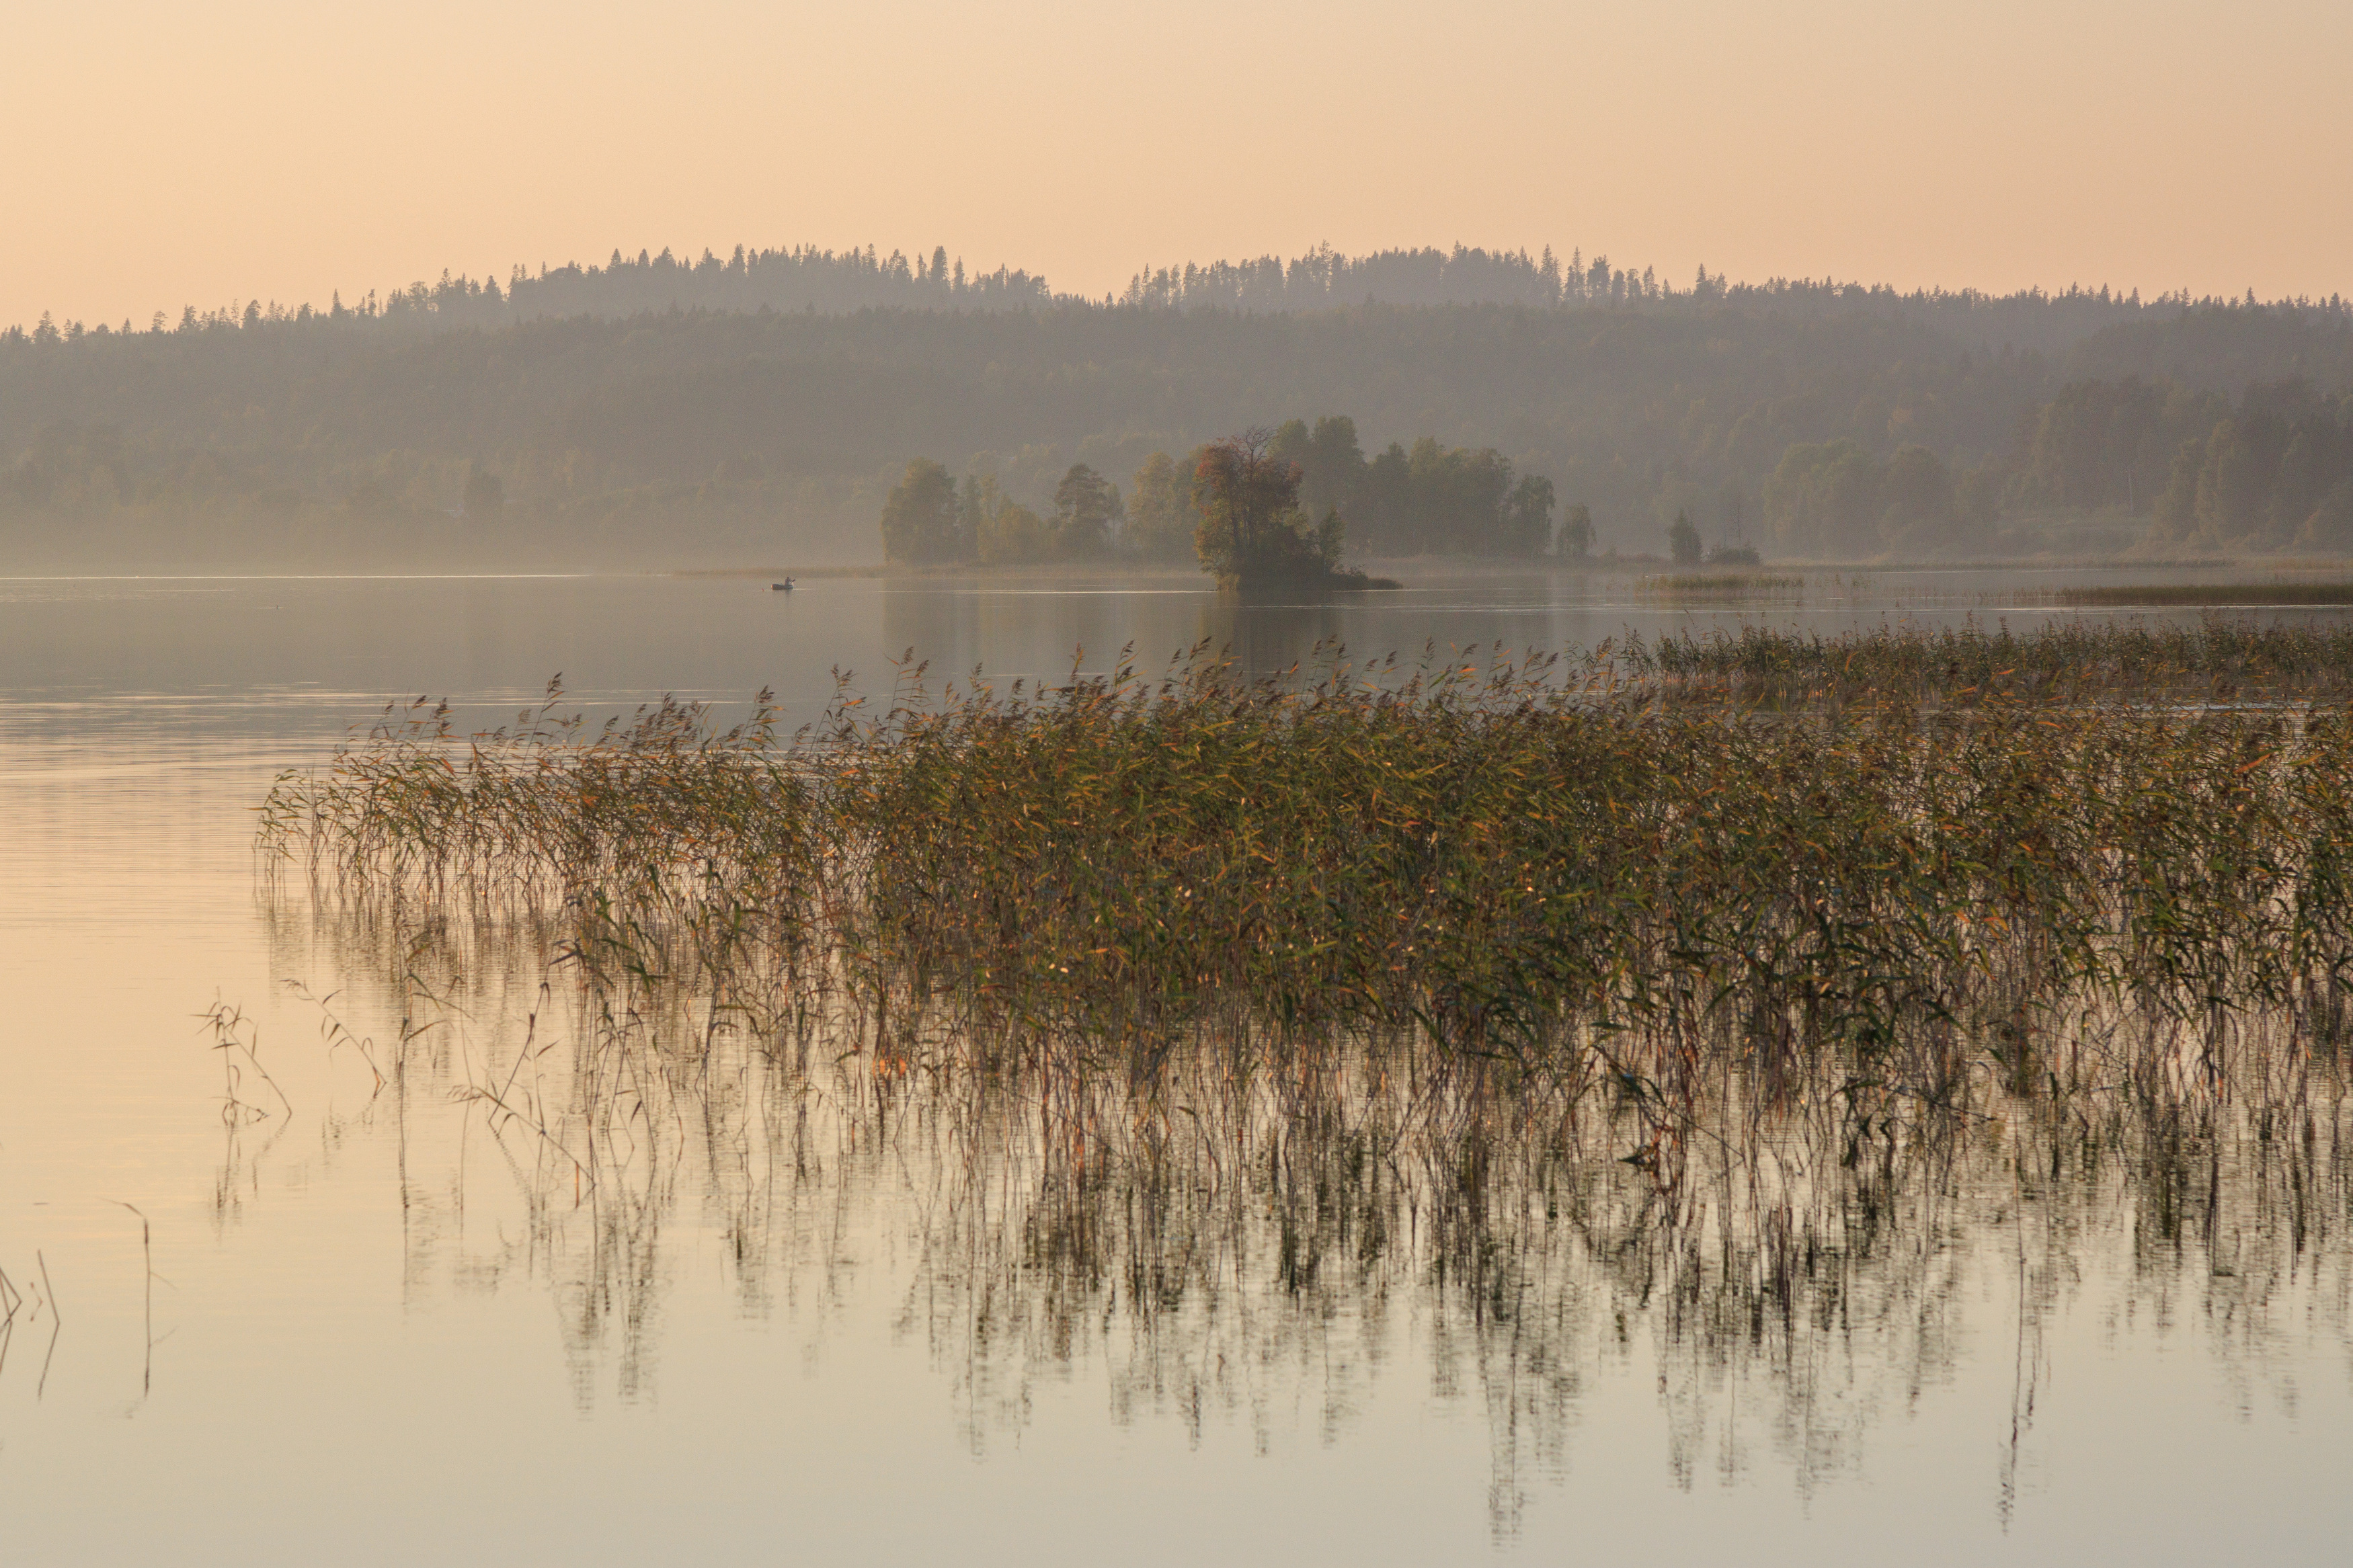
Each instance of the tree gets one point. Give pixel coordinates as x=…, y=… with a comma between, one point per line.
x=1915, y=499
x=1160, y=517
x=919, y=516
x=2330, y=526
x=1478, y=498
x=1291, y=443
x=1636, y=423
x=1384, y=499
x=1331, y=536
x=1977, y=502
x=1576, y=531
x=2231, y=485
x=2177, y=507
x=1428, y=497
x=1011, y=534
x=1682, y=540
x=2097, y=444
x=1461, y=501
x=974, y=501
x=1085, y=506
x=1243, y=494
x=1824, y=499
x=1331, y=463
x=1251, y=524
x=2317, y=454
x=1529, y=517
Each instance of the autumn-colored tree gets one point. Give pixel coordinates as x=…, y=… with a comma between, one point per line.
x=1251, y=522
x=1013, y=535
x=1240, y=491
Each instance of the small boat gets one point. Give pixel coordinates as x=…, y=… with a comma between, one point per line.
x=784, y=588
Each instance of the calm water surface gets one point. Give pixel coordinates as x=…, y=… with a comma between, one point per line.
x=369, y=1337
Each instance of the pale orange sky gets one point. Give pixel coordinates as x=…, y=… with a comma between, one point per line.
x=162, y=154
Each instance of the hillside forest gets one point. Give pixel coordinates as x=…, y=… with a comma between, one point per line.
x=760, y=410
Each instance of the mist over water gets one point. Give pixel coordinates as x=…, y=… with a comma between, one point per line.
x=498, y=1272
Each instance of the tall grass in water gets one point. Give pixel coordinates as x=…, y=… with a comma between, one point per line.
x=2201, y=595
x=2077, y=661
x=1889, y=869
x=1734, y=985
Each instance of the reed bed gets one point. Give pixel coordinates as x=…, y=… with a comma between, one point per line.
x=2201, y=594
x=1757, y=992
x=1728, y=585
x=2104, y=663
x=1628, y=872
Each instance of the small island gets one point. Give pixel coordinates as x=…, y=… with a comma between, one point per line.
x=1253, y=534
x=1267, y=509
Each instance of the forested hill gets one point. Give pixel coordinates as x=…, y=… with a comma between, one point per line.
x=1815, y=421
x=806, y=277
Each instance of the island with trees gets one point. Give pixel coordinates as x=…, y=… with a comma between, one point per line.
x=1267, y=506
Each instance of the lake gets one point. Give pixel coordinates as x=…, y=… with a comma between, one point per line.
x=298, y=1299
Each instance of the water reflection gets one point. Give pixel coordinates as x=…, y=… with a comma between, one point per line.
x=1034, y=636
x=377, y=1287
x=1244, y=1229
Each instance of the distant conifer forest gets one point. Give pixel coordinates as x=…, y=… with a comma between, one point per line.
x=770, y=406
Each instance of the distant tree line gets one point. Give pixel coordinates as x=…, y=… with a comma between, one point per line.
x=2273, y=471
x=1324, y=279
x=1836, y=501
x=1825, y=425
x=809, y=278
x=2179, y=467
x=801, y=277
x=928, y=518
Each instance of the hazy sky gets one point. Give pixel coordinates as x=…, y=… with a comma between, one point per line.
x=160, y=154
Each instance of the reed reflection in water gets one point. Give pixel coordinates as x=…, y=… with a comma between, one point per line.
x=1246, y=1223
x=1758, y=1010
x=298, y=1379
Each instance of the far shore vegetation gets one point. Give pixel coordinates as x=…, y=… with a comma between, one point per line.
x=675, y=412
